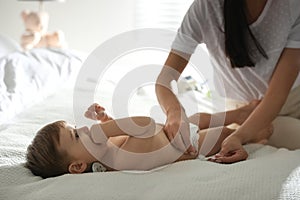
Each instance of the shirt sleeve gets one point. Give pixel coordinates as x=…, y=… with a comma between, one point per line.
x=189, y=35
x=294, y=35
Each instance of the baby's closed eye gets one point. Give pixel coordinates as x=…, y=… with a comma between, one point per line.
x=76, y=133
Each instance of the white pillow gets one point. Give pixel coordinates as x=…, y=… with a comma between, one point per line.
x=8, y=45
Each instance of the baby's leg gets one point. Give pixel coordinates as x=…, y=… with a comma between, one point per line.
x=286, y=133
x=238, y=116
x=263, y=136
x=210, y=140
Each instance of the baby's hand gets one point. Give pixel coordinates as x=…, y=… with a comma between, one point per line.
x=97, y=112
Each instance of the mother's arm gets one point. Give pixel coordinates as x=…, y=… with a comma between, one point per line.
x=176, y=117
x=282, y=80
x=173, y=67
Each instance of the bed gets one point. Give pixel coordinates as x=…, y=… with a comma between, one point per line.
x=27, y=77
x=268, y=173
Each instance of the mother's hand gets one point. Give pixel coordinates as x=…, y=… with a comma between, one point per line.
x=177, y=122
x=231, y=151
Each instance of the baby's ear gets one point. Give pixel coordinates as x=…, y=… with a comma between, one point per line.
x=77, y=167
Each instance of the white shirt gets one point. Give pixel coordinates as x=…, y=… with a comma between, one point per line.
x=277, y=27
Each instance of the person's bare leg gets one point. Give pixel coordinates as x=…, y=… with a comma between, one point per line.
x=238, y=116
x=264, y=135
x=210, y=140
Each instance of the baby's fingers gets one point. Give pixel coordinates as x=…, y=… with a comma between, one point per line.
x=100, y=115
x=90, y=115
x=92, y=107
x=99, y=108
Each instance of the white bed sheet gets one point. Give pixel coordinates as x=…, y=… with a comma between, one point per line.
x=269, y=173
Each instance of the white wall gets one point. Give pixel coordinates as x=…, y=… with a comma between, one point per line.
x=86, y=23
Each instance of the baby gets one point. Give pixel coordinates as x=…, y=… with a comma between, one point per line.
x=133, y=143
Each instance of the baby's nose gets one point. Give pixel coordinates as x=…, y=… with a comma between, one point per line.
x=83, y=130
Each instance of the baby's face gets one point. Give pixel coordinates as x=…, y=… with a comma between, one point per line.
x=72, y=145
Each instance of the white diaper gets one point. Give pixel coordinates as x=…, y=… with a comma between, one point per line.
x=194, y=138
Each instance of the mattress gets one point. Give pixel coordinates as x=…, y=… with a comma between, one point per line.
x=268, y=173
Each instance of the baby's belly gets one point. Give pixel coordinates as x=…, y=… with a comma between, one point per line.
x=146, y=153
x=146, y=145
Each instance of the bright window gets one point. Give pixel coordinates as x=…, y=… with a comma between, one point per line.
x=166, y=14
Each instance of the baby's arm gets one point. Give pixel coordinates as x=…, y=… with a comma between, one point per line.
x=140, y=127
x=133, y=126
x=210, y=140
x=97, y=112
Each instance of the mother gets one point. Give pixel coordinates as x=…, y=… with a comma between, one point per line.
x=255, y=50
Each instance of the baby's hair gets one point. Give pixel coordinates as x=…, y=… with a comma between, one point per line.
x=43, y=157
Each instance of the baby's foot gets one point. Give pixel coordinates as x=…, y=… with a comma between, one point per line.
x=245, y=111
x=264, y=135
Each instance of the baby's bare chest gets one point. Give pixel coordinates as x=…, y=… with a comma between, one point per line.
x=146, y=145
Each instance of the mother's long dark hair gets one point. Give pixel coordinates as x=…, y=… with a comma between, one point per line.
x=236, y=33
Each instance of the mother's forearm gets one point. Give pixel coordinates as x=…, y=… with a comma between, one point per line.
x=282, y=80
x=173, y=67
x=167, y=98
x=261, y=117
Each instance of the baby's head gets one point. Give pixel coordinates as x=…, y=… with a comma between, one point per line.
x=57, y=150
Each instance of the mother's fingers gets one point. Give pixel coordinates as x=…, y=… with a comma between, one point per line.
x=191, y=150
x=184, y=131
x=170, y=132
x=231, y=157
x=180, y=137
x=175, y=138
